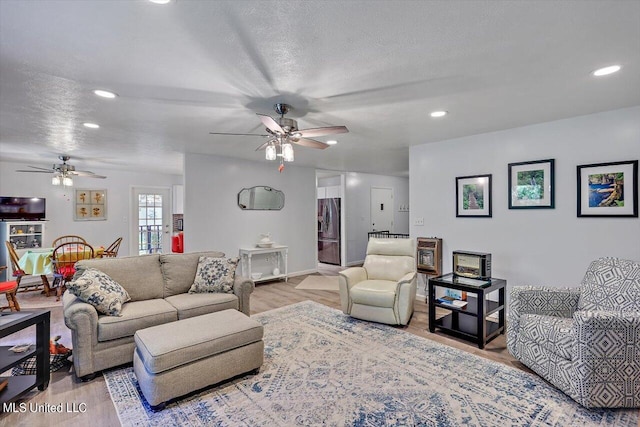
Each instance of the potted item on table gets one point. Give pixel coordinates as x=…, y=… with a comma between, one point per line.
x=265, y=242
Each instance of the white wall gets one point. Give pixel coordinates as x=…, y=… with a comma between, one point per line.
x=530, y=246
x=213, y=220
x=330, y=181
x=60, y=201
x=357, y=203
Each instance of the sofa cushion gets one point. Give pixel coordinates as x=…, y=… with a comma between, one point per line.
x=554, y=334
x=611, y=284
x=96, y=288
x=135, y=315
x=179, y=270
x=214, y=275
x=191, y=305
x=139, y=275
x=378, y=293
x=190, y=341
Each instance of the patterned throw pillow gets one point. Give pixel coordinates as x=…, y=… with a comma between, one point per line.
x=214, y=275
x=101, y=291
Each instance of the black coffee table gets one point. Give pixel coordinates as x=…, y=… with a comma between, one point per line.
x=19, y=385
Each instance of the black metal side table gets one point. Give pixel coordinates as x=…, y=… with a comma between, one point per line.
x=21, y=384
x=469, y=322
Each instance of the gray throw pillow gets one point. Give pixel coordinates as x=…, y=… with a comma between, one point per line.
x=214, y=275
x=101, y=291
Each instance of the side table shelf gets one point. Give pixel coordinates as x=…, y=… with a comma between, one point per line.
x=471, y=322
x=260, y=265
x=21, y=384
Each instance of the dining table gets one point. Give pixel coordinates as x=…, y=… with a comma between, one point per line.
x=37, y=262
x=72, y=253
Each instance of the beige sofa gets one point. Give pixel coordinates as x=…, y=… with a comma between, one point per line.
x=158, y=286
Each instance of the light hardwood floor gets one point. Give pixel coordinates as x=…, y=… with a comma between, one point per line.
x=99, y=408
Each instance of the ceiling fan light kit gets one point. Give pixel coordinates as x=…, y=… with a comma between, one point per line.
x=64, y=172
x=63, y=180
x=284, y=131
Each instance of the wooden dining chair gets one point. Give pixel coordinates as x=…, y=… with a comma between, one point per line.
x=112, y=250
x=9, y=290
x=64, y=258
x=70, y=238
x=13, y=257
x=19, y=273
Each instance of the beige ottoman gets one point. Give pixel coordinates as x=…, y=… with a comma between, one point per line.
x=176, y=358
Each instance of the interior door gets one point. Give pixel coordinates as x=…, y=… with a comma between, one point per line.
x=382, y=209
x=151, y=220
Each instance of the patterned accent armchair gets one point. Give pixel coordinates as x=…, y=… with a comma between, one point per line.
x=585, y=341
x=384, y=288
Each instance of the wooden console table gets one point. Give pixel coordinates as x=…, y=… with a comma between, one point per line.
x=21, y=384
x=469, y=322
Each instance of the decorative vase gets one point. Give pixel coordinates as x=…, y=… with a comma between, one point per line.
x=276, y=271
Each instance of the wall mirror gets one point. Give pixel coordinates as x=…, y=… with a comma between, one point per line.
x=261, y=198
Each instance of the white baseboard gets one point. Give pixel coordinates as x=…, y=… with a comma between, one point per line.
x=355, y=263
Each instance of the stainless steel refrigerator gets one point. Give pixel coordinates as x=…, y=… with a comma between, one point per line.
x=329, y=231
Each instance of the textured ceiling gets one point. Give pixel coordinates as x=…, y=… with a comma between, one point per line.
x=379, y=67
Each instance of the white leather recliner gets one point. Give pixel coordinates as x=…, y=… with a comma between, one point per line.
x=384, y=288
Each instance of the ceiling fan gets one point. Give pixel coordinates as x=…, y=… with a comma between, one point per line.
x=284, y=131
x=64, y=172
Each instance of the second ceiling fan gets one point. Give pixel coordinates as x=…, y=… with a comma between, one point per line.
x=283, y=131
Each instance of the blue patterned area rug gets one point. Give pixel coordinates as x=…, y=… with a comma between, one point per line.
x=324, y=368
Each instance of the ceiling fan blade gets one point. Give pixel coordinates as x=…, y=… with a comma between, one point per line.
x=263, y=146
x=42, y=169
x=237, y=134
x=329, y=130
x=309, y=143
x=88, y=174
x=271, y=124
x=39, y=171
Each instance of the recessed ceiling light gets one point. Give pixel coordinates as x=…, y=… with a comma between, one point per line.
x=438, y=113
x=160, y=1
x=606, y=70
x=104, y=93
x=332, y=142
x=91, y=125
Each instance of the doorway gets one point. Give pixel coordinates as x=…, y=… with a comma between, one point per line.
x=151, y=224
x=382, y=209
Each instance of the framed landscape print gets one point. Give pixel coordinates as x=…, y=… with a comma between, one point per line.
x=473, y=196
x=608, y=189
x=531, y=185
x=90, y=205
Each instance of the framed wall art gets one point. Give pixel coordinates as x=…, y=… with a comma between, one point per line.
x=531, y=185
x=473, y=196
x=90, y=205
x=608, y=189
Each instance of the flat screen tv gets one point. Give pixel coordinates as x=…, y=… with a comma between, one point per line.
x=22, y=208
